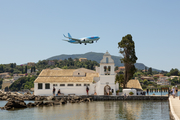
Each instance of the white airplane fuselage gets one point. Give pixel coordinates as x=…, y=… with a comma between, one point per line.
x=84, y=40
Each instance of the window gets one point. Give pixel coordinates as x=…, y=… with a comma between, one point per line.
x=109, y=68
x=47, y=86
x=70, y=85
x=62, y=84
x=107, y=74
x=78, y=84
x=86, y=84
x=105, y=68
x=54, y=85
x=39, y=85
x=107, y=60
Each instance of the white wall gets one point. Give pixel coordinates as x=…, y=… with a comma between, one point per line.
x=78, y=90
x=107, y=78
x=127, y=91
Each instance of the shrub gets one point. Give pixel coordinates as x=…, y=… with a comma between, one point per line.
x=131, y=93
x=117, y=91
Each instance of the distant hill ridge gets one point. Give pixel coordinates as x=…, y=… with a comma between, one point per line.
x=97, y=57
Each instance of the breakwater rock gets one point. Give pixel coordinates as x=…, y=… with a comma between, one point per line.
x=19, y=96
x=11, y=104
x=16, y=100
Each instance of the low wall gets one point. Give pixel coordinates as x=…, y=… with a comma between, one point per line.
x=172, y=114
x=107, y=98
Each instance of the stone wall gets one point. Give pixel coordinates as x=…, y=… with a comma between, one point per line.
x=107, y=98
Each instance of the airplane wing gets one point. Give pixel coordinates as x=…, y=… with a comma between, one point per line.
x=72, y=38
x=76, y=39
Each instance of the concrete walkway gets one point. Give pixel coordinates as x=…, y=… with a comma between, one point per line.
x=175, y=107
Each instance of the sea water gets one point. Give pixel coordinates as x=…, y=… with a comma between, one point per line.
x=97, y=110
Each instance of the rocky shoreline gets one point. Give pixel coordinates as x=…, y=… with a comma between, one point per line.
x=16, y=100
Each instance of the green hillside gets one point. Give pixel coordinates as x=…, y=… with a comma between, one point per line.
x=96, y=57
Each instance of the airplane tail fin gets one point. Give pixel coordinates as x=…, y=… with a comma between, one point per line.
x=69, y=36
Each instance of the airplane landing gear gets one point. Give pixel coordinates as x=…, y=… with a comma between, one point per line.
x=84, y=43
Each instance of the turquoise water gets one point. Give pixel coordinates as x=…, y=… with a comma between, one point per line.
x=101, y=110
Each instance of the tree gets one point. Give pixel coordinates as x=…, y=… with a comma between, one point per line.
x=119, y=79
x=1, y=69
x=168, y=74
x=127, y=49
x=145, y=69
x=150, y=71
x=11, y=65
x=155, y=78
x=144, y=86
x=116, y=68
x=145, y=82
x=174, y=71
x=25, y=69
x=1, y=81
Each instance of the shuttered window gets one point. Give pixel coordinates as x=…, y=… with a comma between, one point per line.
x=62, y=84
x=70, y=85
x=47, y=86
x=40, y=86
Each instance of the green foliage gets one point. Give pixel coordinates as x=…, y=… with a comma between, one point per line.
x=145, y=82
x=119, y=79
x=33, y=69
x=25, y=69
x=1, y=81
x=68, y=64
x=144, y=86
x=12, y=68
x=64, y=64
x=23, y=83
x=155, y=78
x=131, y=93
x=1, y=68
x=116, y=68
x=175, y=81
x=174, y=72
x=127, y=49
x=150, y=71
x=28, y=82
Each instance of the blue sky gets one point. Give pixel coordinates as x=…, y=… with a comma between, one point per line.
x=33, y=30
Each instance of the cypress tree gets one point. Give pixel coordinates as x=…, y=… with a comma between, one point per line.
x=127, y=49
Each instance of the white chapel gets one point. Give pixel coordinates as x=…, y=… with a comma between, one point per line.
x=75, y=81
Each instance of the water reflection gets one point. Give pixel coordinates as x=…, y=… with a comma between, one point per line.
x=102, y=110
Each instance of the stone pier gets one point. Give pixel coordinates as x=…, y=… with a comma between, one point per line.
x=174, y=104
x=108, y=98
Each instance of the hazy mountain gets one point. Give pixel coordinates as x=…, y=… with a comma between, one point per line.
x=96, y=57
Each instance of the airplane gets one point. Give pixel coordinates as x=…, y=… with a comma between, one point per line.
x=84, y=40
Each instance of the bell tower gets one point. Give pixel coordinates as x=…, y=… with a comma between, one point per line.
x=107, y=65
x=107, y=76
